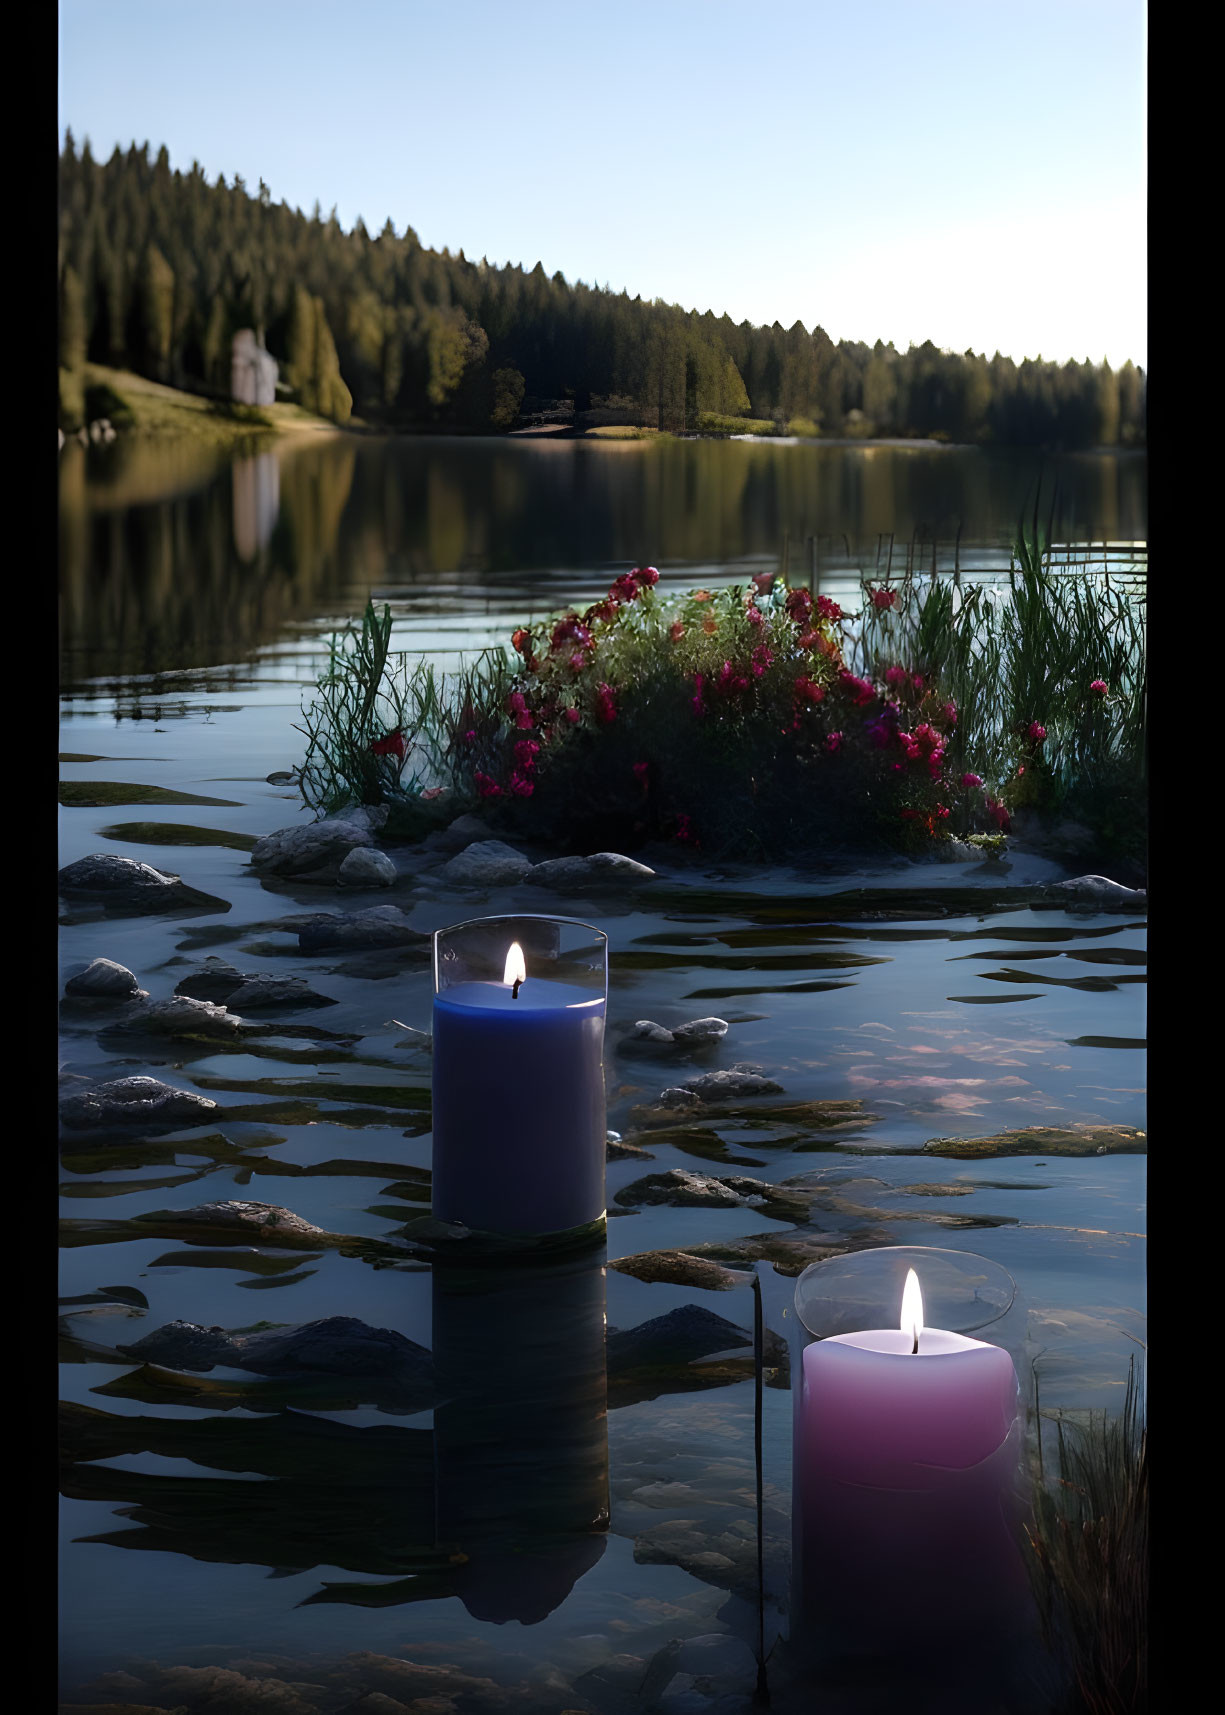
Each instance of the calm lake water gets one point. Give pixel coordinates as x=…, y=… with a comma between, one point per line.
x=304, y=1529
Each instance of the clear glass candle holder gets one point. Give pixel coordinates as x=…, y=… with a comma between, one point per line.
x=906, y=1457
x=520, y=1130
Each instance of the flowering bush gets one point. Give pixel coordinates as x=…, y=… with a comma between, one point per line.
x=761, y=719
x=723, y=719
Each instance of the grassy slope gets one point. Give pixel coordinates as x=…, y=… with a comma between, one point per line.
x=159, y=410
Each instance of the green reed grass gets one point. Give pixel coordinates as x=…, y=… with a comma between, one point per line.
x=1087, y=1553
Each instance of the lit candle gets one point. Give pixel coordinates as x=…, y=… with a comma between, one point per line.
x=905, y=1468
x=519, y=1111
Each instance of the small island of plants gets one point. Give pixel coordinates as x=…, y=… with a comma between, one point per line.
x=762, y=722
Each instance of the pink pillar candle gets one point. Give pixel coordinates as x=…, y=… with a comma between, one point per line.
x=905, y=1467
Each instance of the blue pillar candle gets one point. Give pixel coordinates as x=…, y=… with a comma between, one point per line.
x=519, y=1112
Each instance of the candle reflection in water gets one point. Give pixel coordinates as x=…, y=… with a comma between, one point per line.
x=521, y=1432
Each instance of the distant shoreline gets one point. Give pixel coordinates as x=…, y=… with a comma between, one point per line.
x=151, y=408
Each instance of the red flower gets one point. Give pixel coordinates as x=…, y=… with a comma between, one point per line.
x=646, y=576
x=799, y=606
x=572, y=715
x=676, y=630
x=487, y=787
x=896, y=675
x=701, y=595
x=834, y=741
x=699, y=707
x=391, y=744
x=602, y=610
x=999, y=815
x=571, y=628
x=521, y=786
x=971, y=780
x=764, y=581
x=526, y=752
x=941, y=811
x=684, y=830
x=521, y=640
x=918, y=683
x=605, y=706
x=859, y=690
x=763, y=657
x=625, y=588
x=710, y=626
x=950, y=714
x=882, y=598
x=827, y=609
x=1100, y=686
x=754, y=615
x=1036, y=732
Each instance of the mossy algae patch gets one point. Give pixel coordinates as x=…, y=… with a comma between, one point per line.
x=90, y=794
x=175, y=834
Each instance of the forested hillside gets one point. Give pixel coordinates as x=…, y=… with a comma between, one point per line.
x=159, y=268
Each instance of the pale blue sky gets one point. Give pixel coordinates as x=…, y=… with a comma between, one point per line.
x=966, y=171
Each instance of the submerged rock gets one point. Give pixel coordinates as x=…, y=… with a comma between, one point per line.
x=180, y=1016
x=682, y=1190
x=378, y=926
x=246, y=991
x=103, y=979
x=1046, y=1140
x=335, y=1345
x=130, y=1102
x=485, y=863
x=365, y=867
x=601, y=869
x=220, y=1223
x=314, y=852
x=678, y=1268
x=125, y=884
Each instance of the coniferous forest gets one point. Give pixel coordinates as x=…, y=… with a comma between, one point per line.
x=159, y=268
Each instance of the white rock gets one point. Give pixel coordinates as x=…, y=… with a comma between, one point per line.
x=485, y=863
x=367, y=868
x=1100, y=887
x=602, y=868
x=646, y=1030
x=372, y=817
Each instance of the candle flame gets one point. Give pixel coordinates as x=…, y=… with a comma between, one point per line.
x=516, y=970
x=912, y=1307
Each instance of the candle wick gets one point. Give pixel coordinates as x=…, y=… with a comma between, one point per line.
x=514, y=993
x=915, y=1347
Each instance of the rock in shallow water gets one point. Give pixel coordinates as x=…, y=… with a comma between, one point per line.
x=314, y=851
x=678, y=1268
x=485, y=863
x=1098, y=890
x=124, y=884
x=335, y=1345
x=182, y=1017
x=739, y=1080
x=365, y=867
x=134, y=1102
x=103, y=979
x=600, y=869
x=379, y=926
x=245, y=991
